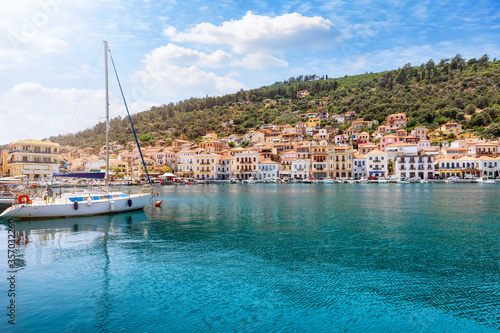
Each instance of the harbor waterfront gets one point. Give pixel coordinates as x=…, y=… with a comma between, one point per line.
x=266, y=257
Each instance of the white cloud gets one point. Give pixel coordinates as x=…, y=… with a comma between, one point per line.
x=42, y=112
x=260, y=61
x=165, y=80
x=177, y=55
x=262, y=33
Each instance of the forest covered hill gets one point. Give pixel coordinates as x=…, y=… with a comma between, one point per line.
x=455, y=89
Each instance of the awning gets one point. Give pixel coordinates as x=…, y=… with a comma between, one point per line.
x=89, y=175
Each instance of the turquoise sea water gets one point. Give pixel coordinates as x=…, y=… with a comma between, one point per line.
x=267, y=258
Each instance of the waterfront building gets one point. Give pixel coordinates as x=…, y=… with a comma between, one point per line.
x=449, y=167
x=119, y=167
x=224, y=167
x=286, y=163
x=470, y=166
x=204, y=166
x=300, y=169
x=33, y=158
x=340, y=162
x=489, y=166
x=376, y=163
x=410, y=166
x=268, y=169
x=138, y=167
x=359, y=166
x=319, y=165
x=245, y=164
x=185, y=161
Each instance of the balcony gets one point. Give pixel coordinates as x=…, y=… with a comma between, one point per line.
x=205, y=163
x=32, y=152
x=31, y=162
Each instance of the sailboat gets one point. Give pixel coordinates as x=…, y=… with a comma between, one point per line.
x=83, y=203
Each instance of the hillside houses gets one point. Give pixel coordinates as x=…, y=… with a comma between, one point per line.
x=301, y=150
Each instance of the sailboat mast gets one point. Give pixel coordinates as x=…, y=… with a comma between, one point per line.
x=107, y=112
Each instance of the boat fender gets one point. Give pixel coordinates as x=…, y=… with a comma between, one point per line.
x=158, y=203
x=75, y=205
x=89, y=201
x=23, y=199
x=112, y=205
x=129, y=202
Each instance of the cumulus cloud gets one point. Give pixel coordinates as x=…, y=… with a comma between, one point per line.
x=165, y=80
x=262, y=33
x=182, y=56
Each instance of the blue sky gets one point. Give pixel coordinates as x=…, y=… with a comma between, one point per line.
x=170, y=50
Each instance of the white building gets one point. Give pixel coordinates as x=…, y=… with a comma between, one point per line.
x=489, y=166
x=268, y=170
x=224, y=167
x=359, y=166
x=300, y=169
x=423, y=144
x=400, y=149
x=415, y=166
x=185, y=161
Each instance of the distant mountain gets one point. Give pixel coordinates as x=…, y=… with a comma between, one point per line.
x=456, y=89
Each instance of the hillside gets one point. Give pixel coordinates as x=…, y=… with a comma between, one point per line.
x=459, y=90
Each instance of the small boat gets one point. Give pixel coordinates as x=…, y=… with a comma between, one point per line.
x=485, y=180
x=403, y=180
x=329, y=181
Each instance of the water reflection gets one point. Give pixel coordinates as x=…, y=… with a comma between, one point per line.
x=274, y=258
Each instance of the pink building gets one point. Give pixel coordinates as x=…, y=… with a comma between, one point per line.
x=387, y=140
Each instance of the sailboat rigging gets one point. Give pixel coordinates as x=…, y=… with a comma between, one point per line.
x=85, y=203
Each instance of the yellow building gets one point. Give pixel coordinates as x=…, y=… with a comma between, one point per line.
x=210, y=136
x=313, y=122
x=319, y=165
x=138, y=167
x=340, y=162
x=33, y=158
x=119, y=167
x=204, y=166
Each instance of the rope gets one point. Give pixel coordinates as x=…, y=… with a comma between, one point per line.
x=12, y=214
x=83, y=92
x=130, y=119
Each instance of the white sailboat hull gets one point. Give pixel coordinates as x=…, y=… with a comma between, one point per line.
x=61, y=208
